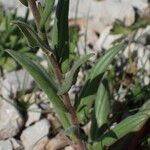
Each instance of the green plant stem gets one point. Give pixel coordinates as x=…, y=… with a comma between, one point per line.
x=65, y=97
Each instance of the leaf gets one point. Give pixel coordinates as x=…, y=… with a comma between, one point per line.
x=45, y=83
x=66, y=85
x=89, y=90
x=32, y=37
x=49, y=4
x=102, y=105
x=24, y=2
x=101, y=109
x=119, y=28
x=145, y=108
x=70, y=130
x=131, y=124
x=10, y=64
x=60, y=35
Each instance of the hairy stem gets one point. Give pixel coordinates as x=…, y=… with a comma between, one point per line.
x=58, y=73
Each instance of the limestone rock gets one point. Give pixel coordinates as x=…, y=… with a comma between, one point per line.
x=11, y=120
x=33, y=134
x=41, y=144
x=16, y=81
x=58, y=142
x=16, y=144
x=5, y=145
x=34, y=114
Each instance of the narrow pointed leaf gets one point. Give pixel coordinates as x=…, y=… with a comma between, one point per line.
x=24, y=2
x=131, y=124
x=145, y=107
x=101, y=110
x=60, y=34
x=49, y=4
x=90, y=88
x=45, y=83
x=32, y=37
x=102, y=105
x=70, y=76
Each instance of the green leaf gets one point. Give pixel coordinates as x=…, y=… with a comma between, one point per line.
x=49, y=4
x=102, y=105
x=45, y=83
x=10, y=64
x=131, y=124
x=66, y=85
x=101, y=109
x=60, y=34
x=145, y=108
x=24, y=2
x=32, y=37
x=70, y=130
x=89, y=90
x=119, y=28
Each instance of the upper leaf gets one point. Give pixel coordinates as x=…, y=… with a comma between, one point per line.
x=49, y=4
x=66, y=85
x=32, y=37
x=60, y=35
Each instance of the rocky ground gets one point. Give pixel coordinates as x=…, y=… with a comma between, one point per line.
x=39, y=128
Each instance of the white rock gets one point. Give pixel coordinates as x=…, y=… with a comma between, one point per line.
x=147, y=66
x=140, y=5
x=145, y=58
x=146, y=80
x=129, y=49
x=140, y=51
x=5, y=145
x=106, y=39
x=58, y=142
x=107, y=11
x=16, y=81
x=11, y=120
x=139, y=64
x=33, y=134
x=16, y=144
x=41, y=144
x=87, y=128
x=34, y=114
x=69, y=148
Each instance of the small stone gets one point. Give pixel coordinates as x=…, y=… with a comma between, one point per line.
x=140, y=5
x=34, y=114
x=56, y=126
x=16, y=81
x=17, y=145
x=87, y=128
x=41, y=144
x=146, y=80
x=69, y=148
x=5, y=145
x=58, y=142
x=33, y=134
x=106, y=39
x=11, y=120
